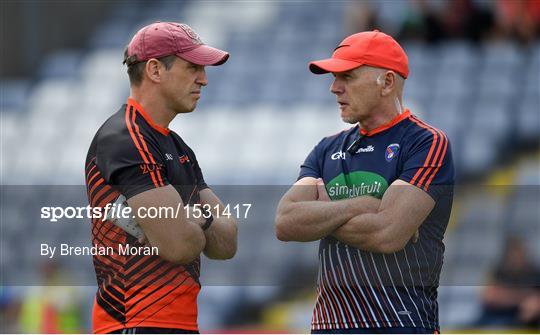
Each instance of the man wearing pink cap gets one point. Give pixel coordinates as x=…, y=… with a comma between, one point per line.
x=135, y=156
x=378, y=196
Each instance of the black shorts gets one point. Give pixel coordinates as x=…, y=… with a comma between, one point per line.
x=153, y=330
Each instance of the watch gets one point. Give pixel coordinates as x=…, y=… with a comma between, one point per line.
x=208, y=222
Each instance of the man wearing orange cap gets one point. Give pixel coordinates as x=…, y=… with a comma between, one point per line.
x=378, y=197
x=135, y=156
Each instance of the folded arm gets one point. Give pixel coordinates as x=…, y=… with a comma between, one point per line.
x=221, y=236
x=178, y=240
x=402, y=210
x=304, y=213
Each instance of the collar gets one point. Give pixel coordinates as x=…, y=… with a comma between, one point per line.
x=138, y=108
x=388, y=125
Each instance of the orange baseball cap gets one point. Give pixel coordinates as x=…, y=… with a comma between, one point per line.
x=372, y=48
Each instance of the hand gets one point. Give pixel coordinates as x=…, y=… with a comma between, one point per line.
x=196, y=215
x=321, y=189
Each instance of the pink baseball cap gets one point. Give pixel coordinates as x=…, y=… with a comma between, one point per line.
x=162, y=39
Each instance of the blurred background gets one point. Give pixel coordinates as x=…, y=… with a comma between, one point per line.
x=474, y=73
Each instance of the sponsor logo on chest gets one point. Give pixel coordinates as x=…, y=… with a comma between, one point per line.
x=183, y=159
x=369, y=148
x=338, y=155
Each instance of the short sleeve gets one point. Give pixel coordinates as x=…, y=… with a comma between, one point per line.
x=428, y=164
x=201, y=184
x=132, y=164
x=312, y=165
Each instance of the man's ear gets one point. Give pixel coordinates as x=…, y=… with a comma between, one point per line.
x=153, y=70
x=388, y=82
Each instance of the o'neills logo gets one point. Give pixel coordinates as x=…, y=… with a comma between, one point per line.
x=356, y=184
x=369, y=148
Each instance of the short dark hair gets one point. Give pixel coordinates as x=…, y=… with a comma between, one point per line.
x=135, y=70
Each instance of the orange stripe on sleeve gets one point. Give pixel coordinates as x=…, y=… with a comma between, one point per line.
x=104, y=189
x=439, y=164
x=130, y=129
x=431, y=149
x=90, y=162
x=435, y=158
x=98, y=182
x=105, y=201
x=93, y=177
x=90, y=171
x=137, y=130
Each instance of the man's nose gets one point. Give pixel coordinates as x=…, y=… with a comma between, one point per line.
x=202, y=79
x=336, y=87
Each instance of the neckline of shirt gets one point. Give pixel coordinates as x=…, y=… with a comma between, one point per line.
x=138, y=108
x=388, y=125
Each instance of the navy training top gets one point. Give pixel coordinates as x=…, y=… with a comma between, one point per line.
x=360, y=289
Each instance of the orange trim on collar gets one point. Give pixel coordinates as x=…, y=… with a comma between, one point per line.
x=138, y=108
x=390, y=124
